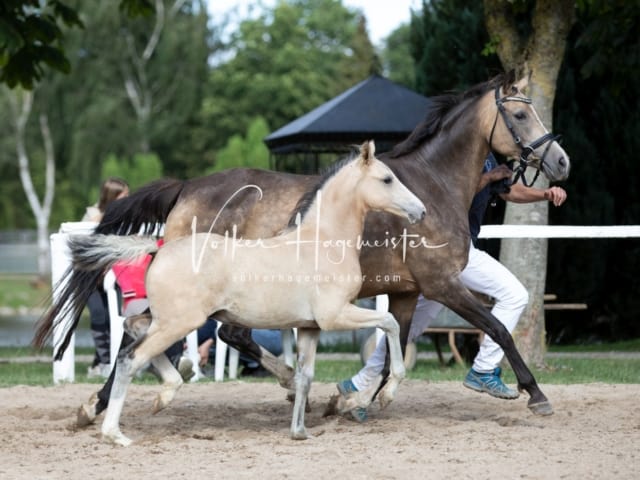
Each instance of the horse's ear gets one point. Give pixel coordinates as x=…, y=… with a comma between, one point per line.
x=367, y=151
x=524, y=73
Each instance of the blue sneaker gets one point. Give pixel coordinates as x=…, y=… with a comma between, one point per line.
x=346, y=388
x=490, y=383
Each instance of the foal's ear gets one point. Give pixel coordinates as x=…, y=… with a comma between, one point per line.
x=367, y=151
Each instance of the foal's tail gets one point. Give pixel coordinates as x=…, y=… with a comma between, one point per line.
x=91, y=256
x=143, y=211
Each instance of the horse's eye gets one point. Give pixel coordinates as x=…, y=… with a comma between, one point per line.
x=520, y=115
x=387, y=180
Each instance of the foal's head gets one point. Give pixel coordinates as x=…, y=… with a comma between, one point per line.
x=380, y=189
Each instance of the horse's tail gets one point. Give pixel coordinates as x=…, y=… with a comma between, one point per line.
x=99, y=252
x=143, y=211
x=91, y=256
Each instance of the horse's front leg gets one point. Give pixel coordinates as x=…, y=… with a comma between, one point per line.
x=461, y=301
x=305, y=370
x=352, y=317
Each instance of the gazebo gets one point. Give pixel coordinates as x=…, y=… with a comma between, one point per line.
x=375, y=108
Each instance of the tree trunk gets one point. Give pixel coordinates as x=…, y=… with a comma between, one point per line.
x=42, y=211
x=540, y=54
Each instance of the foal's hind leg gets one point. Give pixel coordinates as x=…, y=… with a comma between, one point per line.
x=134, y=327
x=150, y=346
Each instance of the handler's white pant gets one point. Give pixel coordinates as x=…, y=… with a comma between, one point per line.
x=483, y=274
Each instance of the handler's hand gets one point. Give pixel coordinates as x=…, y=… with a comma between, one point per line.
x=500, y=172
x=555, y=195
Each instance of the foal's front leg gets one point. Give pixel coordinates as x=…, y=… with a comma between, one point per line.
x=352, y=317
x=305, y=370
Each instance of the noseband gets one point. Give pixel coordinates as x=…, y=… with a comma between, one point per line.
x=525, y=150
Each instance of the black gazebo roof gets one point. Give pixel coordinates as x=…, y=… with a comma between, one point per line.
x=375, y=108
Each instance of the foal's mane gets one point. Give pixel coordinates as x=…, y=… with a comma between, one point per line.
x=307, y=199
x=440, y=107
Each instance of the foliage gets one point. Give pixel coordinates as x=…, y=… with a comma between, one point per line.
x=601, y=127
x=31, y=36
x=447, y=42
x=600, y=123
x=284, y=63
x=91, y=118
x=245, y=152
x=398, y=64
x=141, y=169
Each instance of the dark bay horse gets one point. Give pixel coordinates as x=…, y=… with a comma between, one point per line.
x=441, y=162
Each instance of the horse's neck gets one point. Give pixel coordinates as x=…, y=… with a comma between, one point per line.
x=451, y=164
x=334, y=215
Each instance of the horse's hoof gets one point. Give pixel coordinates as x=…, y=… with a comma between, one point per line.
x=86, y=415
x=299, y=435
x=386, y=395
x=158, y=405
x=117, y=439
x=543, y=408
x=384, y=400
x=332, y=406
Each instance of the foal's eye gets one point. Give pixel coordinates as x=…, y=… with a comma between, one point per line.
x=520, y=115
x=387, y=180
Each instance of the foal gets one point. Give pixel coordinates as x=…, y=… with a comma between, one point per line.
x=305, y=278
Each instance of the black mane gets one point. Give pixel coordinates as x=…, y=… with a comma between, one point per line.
x=304, y=204
x=437, y=110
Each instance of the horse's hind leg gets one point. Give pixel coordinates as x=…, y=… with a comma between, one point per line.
x=145, y=349
x=240, y=338
x=134, y=327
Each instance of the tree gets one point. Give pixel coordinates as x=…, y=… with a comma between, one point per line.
x=285, y=62
x=21, y=103
x=534, y=37
x=30, y=37
x=398, y=64
x=446, y=43
x=249, y=151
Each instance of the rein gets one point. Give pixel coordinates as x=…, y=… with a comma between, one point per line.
x=525, y=150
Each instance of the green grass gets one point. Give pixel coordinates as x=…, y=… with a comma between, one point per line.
x=622, y=346
x=22, y=291
x=558, y=371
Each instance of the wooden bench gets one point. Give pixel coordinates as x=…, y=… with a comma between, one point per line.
x=450, y=323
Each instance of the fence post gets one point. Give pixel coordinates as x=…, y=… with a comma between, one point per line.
x=64, y=369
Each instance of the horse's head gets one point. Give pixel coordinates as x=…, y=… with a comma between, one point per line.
x=518, y=132
x=381, y=190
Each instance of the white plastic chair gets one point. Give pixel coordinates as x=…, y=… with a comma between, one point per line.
x=116, y=321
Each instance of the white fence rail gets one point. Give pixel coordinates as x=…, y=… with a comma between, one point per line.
x=64, y=370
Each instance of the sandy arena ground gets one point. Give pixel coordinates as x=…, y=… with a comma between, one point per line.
x=240, y=430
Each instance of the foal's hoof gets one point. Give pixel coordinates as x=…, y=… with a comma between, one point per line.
x=117, y=439
x=299, y=435
x=86, y=415
x=543, y=408
x=158, y=405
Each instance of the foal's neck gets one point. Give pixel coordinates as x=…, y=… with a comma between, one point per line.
x=337, y=212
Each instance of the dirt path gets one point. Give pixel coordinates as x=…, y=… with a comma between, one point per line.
x=239, y=430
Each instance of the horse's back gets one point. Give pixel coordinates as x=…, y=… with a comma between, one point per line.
x=257, y=203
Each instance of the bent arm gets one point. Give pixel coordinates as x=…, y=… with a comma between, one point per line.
x=521, y=194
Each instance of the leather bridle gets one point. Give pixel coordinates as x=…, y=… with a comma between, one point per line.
x=525, y=150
